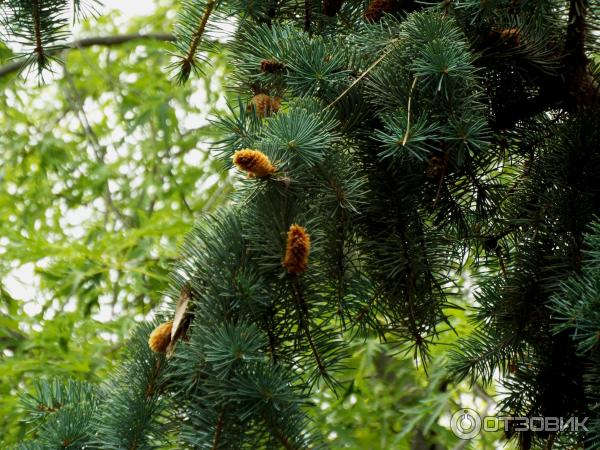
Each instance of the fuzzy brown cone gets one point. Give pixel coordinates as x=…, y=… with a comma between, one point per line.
x=297, y=250
x=255, y=162
x=160, y=337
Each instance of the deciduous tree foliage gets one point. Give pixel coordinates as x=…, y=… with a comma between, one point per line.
x=406, y=140
x=100, y=170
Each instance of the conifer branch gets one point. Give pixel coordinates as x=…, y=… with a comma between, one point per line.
x=575, y=38
x=201, y=27
x=340, y=281
x=307, y=18
x=412, y=87
x=218, y=430
x=581, y=85
x=151, y=388
x=369, y=305
x=550, y=441
x=272, y=12
x=305, y=324
x=188, y=62
x=409, y=300
x=283, y=440
x=560, y=89
x=472, y=360
x=272, y=337
x=364, y=74
x=37, y=29
x=440, y=184
x=341, y=229
x=279, y=434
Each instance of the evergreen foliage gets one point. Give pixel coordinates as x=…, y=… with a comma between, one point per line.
x=408, y=140
x=41, y=26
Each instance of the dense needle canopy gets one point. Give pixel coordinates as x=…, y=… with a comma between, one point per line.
x=396, y=146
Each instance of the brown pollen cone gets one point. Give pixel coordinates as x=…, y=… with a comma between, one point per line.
x=264, y=105
x=297, y=250
x=511, y=35
x=160, y=337
x=377, y=8
x=271, y=66
x=255, y=162
x=507, y=37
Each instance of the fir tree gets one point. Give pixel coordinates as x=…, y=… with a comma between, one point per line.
x=381, y=146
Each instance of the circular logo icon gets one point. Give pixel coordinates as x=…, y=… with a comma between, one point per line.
x=465, y=423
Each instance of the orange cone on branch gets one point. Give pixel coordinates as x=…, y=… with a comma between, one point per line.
x=297, y=250
x=160, y=337
x=264, y=105
x=254, y=162
x=271, y=66
x=377, y=8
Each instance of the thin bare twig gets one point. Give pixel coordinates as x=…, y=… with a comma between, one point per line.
x=412, y=87
x=364, y=74
x=99, y=151
x=19, y=64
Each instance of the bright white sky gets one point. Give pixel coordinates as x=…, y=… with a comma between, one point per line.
x=129, y=8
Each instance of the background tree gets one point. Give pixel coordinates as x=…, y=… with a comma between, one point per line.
x=104, y=168
x=386, y=146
